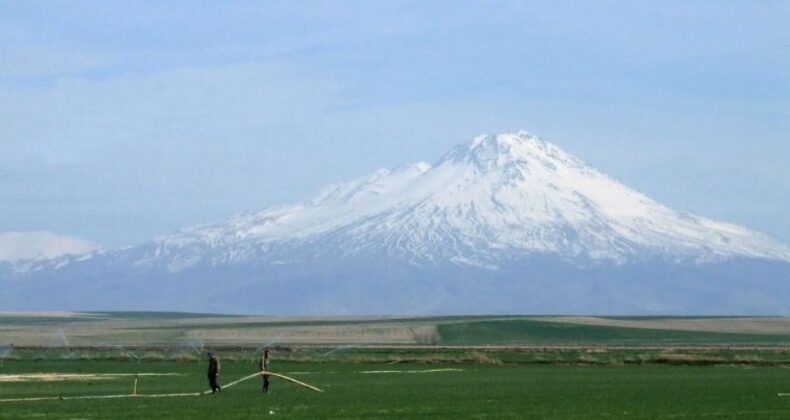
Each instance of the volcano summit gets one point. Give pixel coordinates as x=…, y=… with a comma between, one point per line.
x=503, y=224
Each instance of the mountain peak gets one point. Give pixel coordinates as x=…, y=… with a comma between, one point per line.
x=510, y=191
x=490, y=151
x=499, y=222
x=506, y=143
x=506, y=140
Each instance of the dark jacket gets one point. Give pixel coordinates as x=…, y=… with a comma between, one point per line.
x=213, y=366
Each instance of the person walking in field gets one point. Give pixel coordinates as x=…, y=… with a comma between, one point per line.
x=213, y=373
x=264, y=367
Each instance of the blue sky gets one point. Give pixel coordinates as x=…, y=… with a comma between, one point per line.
x=122, y=121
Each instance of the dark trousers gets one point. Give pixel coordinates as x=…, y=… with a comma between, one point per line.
x=212, y=381
x=265, y=383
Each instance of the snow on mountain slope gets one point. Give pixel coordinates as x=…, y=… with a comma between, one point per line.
x=504, y=224
x=494, y=199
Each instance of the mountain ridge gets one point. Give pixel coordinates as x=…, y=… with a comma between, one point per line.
x=474, y=191
x=503, y=223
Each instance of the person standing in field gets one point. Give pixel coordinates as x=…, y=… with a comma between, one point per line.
x=213, y=373
x=264, y=367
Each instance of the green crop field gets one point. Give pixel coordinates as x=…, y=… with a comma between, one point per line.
x=528, y=331
x=140, y=328
x=397, y=391
x=384, y=367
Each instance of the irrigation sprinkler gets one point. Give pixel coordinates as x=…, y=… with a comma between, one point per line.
x=337, y=349
x=133, y=354
x=5, y=351
x=187, y=348
x=127, y=352
x=66, y=344
x=198, y=350
x=269, y=343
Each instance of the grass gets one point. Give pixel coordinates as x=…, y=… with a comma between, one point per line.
x=324, y=322
x=479, y=391
x=512, y=367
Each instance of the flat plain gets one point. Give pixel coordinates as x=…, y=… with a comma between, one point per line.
x=428, y=367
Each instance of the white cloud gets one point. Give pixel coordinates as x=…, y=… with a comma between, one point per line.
x=16, y=246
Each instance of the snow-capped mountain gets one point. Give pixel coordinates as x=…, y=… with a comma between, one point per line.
x=510, y=193
x=510, y=219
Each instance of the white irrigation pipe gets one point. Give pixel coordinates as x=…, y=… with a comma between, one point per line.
x=287, y=378
x=135, y=395
x=233, y=383
x=337, y=349
x=101, y=397
x=414, y=371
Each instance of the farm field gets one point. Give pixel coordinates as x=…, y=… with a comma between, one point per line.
x=97, y=329
x=385, y=367
x=474, y=391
